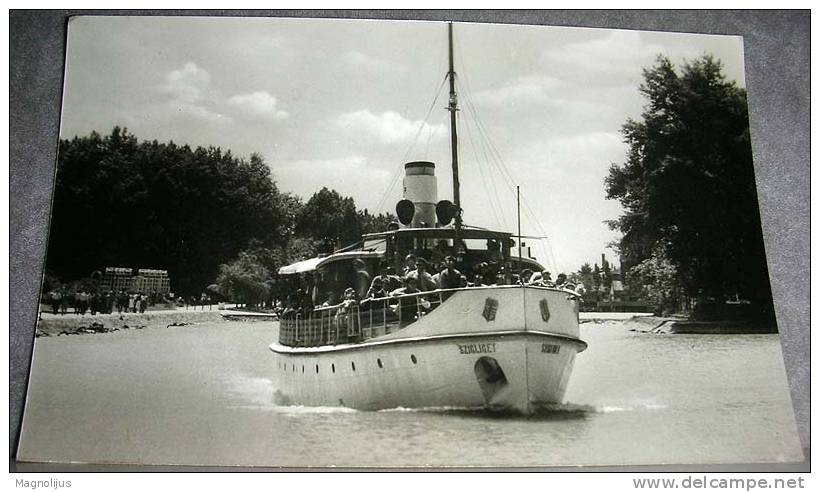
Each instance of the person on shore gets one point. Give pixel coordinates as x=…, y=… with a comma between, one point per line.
x=93, y=303
x=64, y=302
x=56, y=298
x=122, y=302
x=143, y=302
x=132, y=302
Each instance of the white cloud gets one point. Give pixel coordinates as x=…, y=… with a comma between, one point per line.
x=187, y=83
x=358, y=59
x=523, y=90
x=258, y=105
x=388, y=127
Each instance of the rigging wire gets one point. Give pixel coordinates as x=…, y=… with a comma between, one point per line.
x=481, y=171
x=400, y=167
x=503, y=170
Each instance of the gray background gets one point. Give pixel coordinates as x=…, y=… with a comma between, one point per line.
x=777, y=58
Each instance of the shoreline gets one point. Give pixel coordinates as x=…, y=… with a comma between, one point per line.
x=50, y=324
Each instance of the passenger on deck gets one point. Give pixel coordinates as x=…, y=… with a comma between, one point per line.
x=423, y=279
x=561, y=281
x=409, y=308
x=376, y=289
x=450, y=278
x=388, y=279
x=526, y=275
x=409, y=263
x=363, y=278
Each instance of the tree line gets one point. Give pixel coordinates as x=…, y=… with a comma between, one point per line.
x=200, y=213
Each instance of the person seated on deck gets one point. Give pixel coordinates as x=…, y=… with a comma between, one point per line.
x=424, y=280
x=526, y=275
x=561, y=281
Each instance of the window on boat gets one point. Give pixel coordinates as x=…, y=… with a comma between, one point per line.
x=303, y=368
x=413, y=358
x=379, y=361
x=333, y=368
x=317, y=368
x=353, y=365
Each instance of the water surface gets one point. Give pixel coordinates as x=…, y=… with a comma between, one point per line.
x=203, y=395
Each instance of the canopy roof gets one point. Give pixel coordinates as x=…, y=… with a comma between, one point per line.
x=320, y=261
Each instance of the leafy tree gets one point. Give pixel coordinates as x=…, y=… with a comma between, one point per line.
x=245, y=279
x=657, y=277
x=330, y=217
x=119, y=202
x=688, y=183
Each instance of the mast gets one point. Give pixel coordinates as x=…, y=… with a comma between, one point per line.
x=453, y=108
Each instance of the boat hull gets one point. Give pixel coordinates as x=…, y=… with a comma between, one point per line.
x=511, y=362
x=515, y=371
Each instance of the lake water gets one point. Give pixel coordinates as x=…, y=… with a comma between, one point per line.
x=203, y=395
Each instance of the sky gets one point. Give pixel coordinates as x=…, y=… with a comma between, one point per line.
x=344, y=104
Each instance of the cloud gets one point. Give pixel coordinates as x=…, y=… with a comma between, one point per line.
x=358, y=59
x=523, y=90
x=187, y=83
x=619, y=55
x=388, y=127
x=257, y=105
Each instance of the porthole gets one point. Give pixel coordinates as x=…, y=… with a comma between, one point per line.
x=379, y=362
x=293, y=367
x=303, y=368
x=353, y=365
x=317, y=368
x=333, y=368
x=413, y=358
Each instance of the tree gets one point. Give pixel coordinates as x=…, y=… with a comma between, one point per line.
x=245, y=279
x=658, y=280
x=119, y=202
x=688, y=183
x=330, y=217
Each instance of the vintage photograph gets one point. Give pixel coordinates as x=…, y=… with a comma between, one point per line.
x=285, y=242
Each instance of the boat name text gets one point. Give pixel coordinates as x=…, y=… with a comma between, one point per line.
x=476, y=348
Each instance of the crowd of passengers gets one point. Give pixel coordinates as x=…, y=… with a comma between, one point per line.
x=415, y=277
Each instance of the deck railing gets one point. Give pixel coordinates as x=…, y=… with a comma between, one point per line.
x=354, y=321
x=357, y=321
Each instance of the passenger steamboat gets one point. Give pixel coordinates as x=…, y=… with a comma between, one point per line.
x=479, y=337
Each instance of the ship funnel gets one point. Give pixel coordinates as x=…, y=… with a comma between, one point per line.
x=421, y=189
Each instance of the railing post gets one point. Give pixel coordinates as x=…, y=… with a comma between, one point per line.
x=384, y=315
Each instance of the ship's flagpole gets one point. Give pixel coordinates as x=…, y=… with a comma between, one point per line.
x=453, y=108
x=518, y=204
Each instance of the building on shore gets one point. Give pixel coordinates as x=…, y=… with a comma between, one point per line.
x=145, y=280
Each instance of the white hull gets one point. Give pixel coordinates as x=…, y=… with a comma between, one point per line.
x=453, y=357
